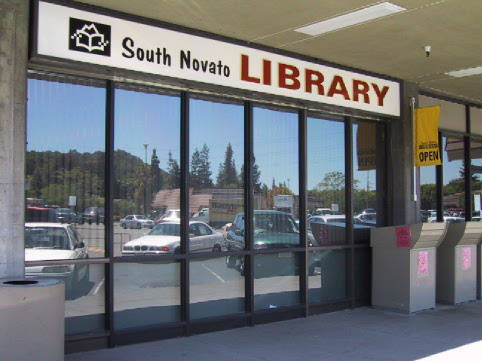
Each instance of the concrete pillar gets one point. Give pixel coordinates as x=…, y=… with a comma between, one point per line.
x=14, y=15
x=400, y=182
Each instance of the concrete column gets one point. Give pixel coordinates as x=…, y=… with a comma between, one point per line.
x=14, y=15
x=403, y=209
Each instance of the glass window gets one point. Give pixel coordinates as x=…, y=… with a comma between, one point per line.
x=146, y=294
x=276, y=280
x=275, y=179
x=453, y=179
x=368, y=150
x=65, y=163
x=146, y=171
x=215, y=288
x=428, y=194
x=216, y=172
x=327, y=275
x=85, y=299
x=363, y=274
x=476, y=173
x=326, y=182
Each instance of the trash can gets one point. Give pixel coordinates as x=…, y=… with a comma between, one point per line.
x=457, y=263
x=403, y=266
x=31, y=320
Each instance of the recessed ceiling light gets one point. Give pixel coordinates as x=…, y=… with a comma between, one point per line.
x=465, y=72
x=352, y=18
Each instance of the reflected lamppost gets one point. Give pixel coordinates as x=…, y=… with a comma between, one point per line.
x=145, y=180
x=145, y=149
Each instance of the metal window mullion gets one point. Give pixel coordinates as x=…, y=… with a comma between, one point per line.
x=302, y=144
x=109, y=210
x=350, y=281
x=248, y=210
x=184, y=194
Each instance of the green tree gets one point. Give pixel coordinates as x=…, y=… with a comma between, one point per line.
x=228, y=176
x=200, y=168
x=256, y=175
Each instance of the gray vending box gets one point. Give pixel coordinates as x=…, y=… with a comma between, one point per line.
x=403, y=275
x=457, y=263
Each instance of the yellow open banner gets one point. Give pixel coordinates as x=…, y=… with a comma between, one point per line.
x=427, y=150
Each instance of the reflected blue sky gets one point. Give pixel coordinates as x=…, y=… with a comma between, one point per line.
x=64, y=116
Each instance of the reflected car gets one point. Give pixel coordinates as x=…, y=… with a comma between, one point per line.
x=272, y=229
x=165, y=238
x=65, y=215
x=136, y=221
x=369, y=219
x=172, y=215
x=52, y=242
x=202, y=215
x=93, y=215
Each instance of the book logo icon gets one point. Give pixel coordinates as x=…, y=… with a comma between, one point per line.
x=89, y=37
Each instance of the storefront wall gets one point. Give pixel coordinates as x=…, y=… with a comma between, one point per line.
x=113, y=145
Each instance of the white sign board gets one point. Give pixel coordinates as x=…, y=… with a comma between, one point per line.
x=72, y=201
x=78, y=35
x=477, y=203
x=335, y=207
x=282, y=201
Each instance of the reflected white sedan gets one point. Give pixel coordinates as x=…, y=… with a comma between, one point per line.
x=165, y=238
x=53, y=242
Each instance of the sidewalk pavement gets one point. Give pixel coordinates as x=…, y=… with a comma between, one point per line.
x=446, y=333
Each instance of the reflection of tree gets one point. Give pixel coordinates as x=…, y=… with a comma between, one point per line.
x=256, y=175
x=331, y=190
x=332, y=181
x=428, y=196
x=200, y=168
x=227, y=175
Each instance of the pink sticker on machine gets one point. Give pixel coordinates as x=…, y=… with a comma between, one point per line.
x=422, y=262
x=466, y=258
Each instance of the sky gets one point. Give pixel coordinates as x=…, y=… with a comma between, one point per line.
x=64, y=116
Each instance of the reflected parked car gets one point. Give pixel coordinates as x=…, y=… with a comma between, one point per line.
x=369, y=219
x=55, y=241
x=165, y=238
x=136, y=221
x=202, y=216
x=65, y=215
x=272, y=229
x=172, y=215
x=93, y=215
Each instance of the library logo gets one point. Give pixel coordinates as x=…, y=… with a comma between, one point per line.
x=89, y=37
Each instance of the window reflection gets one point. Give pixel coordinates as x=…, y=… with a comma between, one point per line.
x=326, y=182
x=215, y=288
x=276, y=282
x=146, y=294
x=65, y=166
x=275, y=178
x=327, y=275
x=453, y=179
x=476, y=174
x=146, y=173
x=216, y=188
x=428, y=195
